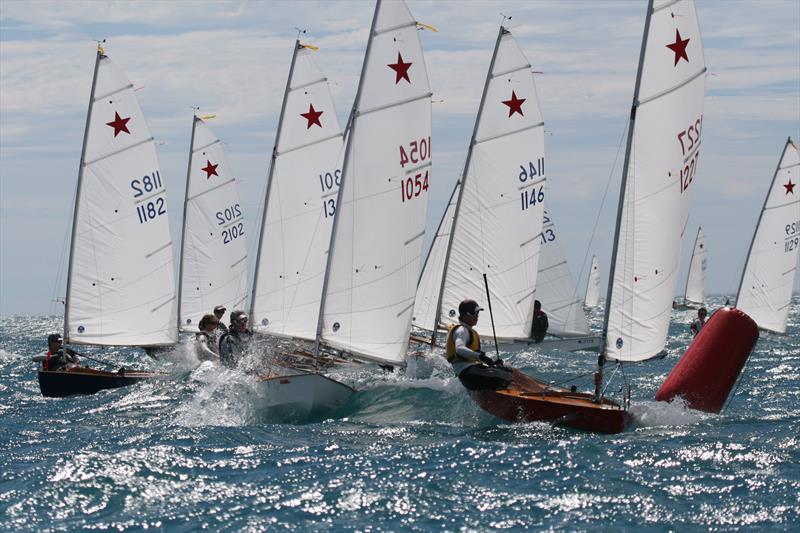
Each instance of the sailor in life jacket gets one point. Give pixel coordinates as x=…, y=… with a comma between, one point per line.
x=474, y=368
x=205, y=340
x=234, y=343
x=58, y=357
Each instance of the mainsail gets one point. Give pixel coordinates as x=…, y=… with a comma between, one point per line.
x=555, y=288
x=696, y=280
x=593, y=285
x=213, y=248
x=300, y=205
x=377, y=238
x=120, y=285
x=661, y=160
x=765, y=290
x=498, y=220
x=430, y=282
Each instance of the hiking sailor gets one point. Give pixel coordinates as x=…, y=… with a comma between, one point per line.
x=474, y=368
x=235, y=341
x=219, y=312
x=205, y=340
x=699, y=322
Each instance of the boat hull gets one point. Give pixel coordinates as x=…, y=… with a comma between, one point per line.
x=590, y=343
x=299, y=397
x=531, y=400
x=74, y=381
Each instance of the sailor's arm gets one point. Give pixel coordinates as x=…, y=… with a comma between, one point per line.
x=204, y=353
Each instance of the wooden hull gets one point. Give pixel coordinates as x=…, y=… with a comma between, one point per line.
x=301, y=397
x=531, y=400
x=80, y=380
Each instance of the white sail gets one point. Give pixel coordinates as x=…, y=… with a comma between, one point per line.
x=430, y=281
x=768, y=278
x=121, y=286
x=661, y=160
x=555, y=288
x=592, y=296
x=300, y=205
x=213, y=249
x=380, y=214
x=696, y=280
x=499, y=217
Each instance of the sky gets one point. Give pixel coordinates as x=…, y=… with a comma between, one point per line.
x=232, y=58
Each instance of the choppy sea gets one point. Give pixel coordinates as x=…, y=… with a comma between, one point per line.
x=405, y=454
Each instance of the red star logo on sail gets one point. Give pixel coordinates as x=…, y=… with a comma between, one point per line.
x=789, y=186
x=515, y=104
x=679, y=47
x=119, y=124
x=210, y=170
x=312, y=116
x=400, y=69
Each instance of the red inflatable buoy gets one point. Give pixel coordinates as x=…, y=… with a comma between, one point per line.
x=706, y=373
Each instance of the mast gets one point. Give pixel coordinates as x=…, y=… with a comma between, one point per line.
x=500, y=34
x=297, y=47
x=78, y=192
x=691, y=262
x=601, y=358
x=760, y=215
x=348, y=132
x=185, y=205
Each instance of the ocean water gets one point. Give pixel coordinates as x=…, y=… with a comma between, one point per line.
x=196, y=452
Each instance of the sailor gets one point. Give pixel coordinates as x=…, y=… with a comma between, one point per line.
x=58, y=357
x=205, y=340
x=474, y=368
x=540, y=323
x=699, y=322
x=235, y=341
x=219, y=311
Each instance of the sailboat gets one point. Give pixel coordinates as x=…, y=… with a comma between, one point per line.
x=694, y=294
x=213, y=265
x=765, y=290
x=296, y=223
x=120, y=281
x=592, y=296
x=655, y=194
x=375, y=247
x=556, y=289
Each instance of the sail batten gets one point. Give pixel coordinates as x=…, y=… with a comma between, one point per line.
x=120, y=283
x=765, y=290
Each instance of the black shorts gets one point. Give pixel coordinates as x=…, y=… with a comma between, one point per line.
x=482, y=377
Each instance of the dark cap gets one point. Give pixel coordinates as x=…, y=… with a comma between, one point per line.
x=469, y=307
x=220, y=309
x=54, y=337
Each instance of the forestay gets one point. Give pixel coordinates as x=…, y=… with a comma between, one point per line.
x=661, y=161
x=696, y=280
x=593, y=285
x=430, y=282
x=499, y=217
x=380, y=219
x=299, y=206
x=555, y=288
x=121, y=286
x=213, y=248
x=765, y=291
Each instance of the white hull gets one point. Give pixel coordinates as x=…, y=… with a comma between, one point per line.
x=299, y=397
x=567, y=344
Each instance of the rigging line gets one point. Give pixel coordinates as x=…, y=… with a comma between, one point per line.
x=600, y=209
x=61, y=258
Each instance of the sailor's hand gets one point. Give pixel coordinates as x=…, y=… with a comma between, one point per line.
x=485, y=358
x=498, y=362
